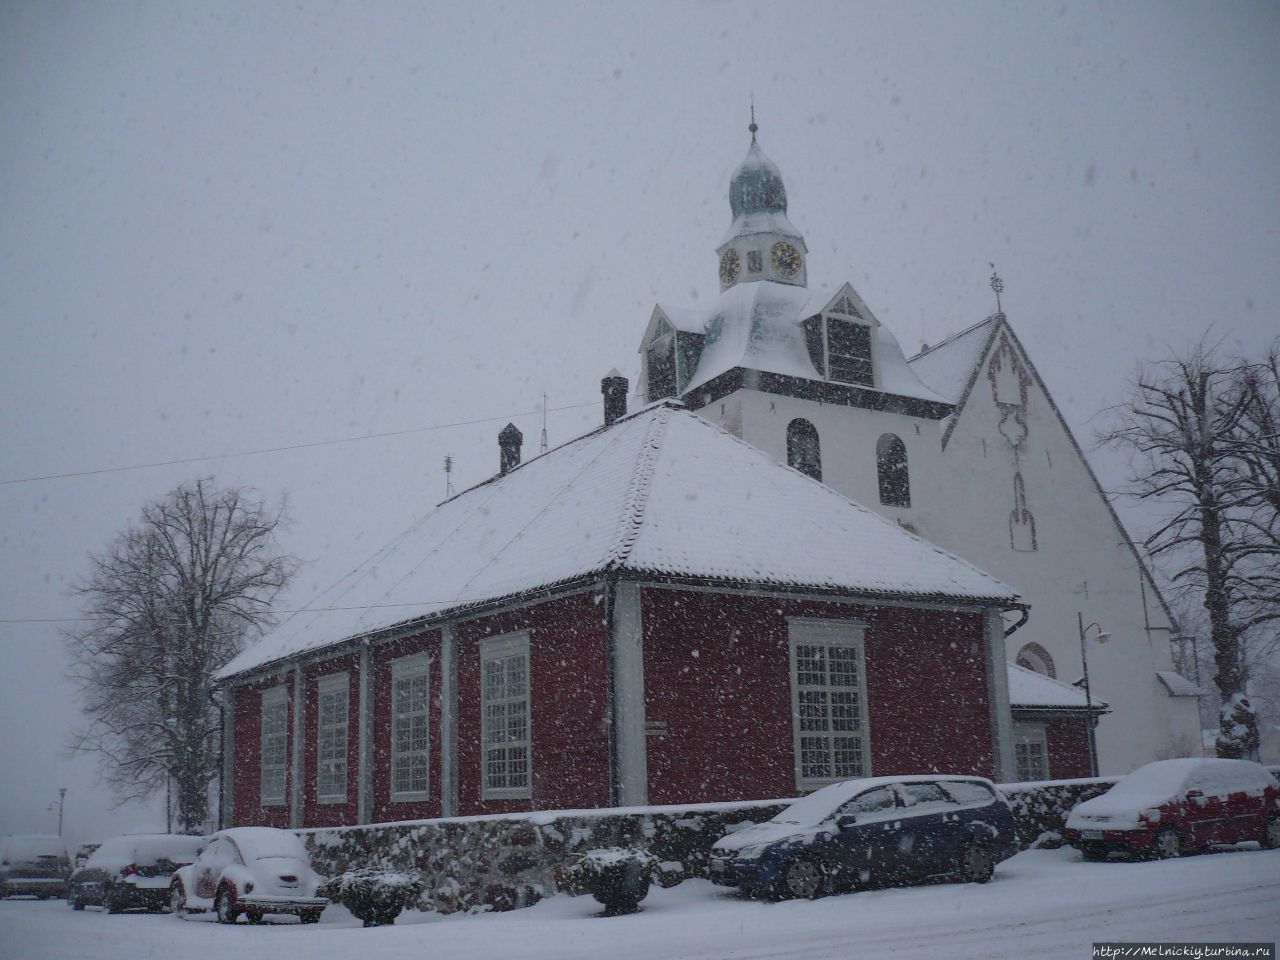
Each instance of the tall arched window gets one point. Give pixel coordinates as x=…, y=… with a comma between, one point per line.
x=804, y=450
x=1035, y=657
x=891, y=464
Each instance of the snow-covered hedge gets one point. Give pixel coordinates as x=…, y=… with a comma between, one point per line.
x=501, y=863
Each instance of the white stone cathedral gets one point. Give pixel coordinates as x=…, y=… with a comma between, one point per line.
x=961, y=444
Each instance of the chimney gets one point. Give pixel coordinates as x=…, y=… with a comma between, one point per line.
x=509, y=441
x=614, y=387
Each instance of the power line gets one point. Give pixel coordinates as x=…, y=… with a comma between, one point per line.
x=358, y=606
x=288, y=447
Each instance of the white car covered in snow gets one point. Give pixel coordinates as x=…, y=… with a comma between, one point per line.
x=249, y=870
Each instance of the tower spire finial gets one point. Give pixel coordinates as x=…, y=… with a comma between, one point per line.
x=753, y=128
x=997, y=285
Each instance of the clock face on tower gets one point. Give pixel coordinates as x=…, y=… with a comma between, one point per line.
x=730, y=264
x=785, y=259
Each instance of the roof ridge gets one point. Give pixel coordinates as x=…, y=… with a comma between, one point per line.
x=633, y=508
x=925, y=351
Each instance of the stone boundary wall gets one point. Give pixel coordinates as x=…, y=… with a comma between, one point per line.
x=506, y=862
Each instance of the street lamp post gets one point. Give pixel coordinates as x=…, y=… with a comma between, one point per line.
x=62, y=797
x=1102, y=637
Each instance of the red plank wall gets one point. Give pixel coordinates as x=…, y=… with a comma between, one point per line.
x=381, y=657
x=247, y=809
x=567, y=652
x=1068, y=742
x=717, y=675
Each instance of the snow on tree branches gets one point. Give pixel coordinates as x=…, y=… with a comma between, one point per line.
x=1205, y=448
x=170, y=600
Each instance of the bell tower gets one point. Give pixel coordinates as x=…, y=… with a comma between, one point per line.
x=761, y=243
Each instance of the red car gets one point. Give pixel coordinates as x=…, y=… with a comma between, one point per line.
x=1172, y=806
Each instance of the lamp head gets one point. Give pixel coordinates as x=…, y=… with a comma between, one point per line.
x=1102, y=637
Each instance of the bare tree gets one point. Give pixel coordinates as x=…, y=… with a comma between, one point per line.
x=170, y=601
x=1192, y=424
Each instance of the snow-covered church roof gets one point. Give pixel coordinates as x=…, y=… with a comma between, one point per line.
x=661, y=492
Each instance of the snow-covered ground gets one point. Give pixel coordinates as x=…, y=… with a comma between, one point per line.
x=1041, y=903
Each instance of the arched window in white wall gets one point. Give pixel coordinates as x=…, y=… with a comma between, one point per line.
x=891, y=465
x=804, y=449
x=1035, y=657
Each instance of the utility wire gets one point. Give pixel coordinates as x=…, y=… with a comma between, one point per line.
x=292, y=446
x=359, y=606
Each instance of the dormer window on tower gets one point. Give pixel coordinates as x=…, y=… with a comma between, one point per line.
x=841, y=343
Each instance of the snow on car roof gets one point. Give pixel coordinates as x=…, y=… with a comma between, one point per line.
x=145, y=849
x=20, y=847
x=660, y=492
x=265, y=843
x=817, y=806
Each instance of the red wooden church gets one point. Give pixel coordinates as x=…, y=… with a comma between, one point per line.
x=656, y=612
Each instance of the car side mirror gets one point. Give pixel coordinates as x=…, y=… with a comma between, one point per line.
x=846, y=821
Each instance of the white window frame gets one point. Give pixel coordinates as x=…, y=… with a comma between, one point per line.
x=829, y=633
x=272, y=699
x=328, y=686
x=410, y=668
x=501, y=648
x=1030, y=734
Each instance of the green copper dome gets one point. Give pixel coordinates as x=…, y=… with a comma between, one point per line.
x=756, y=186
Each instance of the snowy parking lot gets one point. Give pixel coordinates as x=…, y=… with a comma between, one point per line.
x=1041, y=903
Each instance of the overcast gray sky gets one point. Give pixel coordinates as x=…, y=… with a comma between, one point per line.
x=228, y=227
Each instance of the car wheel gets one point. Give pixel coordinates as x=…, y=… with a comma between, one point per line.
x=1168, y=844
x=1270, y=838
x=224, y=905
x=803, y=878
x=976, y=863
x=311, y=916
x=75, y=902
x=255, y=916
x=177, y=901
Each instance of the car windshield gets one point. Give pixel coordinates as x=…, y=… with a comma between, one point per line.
x=268, y=844
x=821, y=804
x=1160, y=780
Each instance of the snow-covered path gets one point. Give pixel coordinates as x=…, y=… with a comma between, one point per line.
x=1041, y=904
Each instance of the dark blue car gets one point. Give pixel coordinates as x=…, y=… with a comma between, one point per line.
x=881, y=830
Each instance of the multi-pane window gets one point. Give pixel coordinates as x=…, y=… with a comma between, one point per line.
x=1030, y=751
x=410, y=733
x=828, y=701
x=755, y=261
x=274, y=757
x=504, y=704
x=849, y=352
x=332, y=720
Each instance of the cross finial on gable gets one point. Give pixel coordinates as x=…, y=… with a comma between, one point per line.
x=753, y=128
x=997, y=285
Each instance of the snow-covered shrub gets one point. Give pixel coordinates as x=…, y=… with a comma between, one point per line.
x=1040, y=809
x=618, y=877
x=374, y=896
